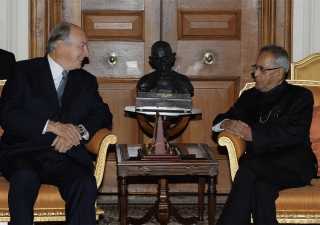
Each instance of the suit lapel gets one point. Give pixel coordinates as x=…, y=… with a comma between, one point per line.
x=46, y=80
x=71, y=90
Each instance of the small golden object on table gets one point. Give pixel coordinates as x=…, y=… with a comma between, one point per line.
x=159, y=149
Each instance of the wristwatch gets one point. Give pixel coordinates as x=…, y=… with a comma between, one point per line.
x=81, y=129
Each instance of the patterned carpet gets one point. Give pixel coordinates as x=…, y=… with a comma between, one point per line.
x=110, y=217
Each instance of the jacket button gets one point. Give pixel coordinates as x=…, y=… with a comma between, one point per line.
x=59, y=116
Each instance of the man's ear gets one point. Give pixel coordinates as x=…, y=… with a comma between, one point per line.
x=281, y=73
x=61, y=46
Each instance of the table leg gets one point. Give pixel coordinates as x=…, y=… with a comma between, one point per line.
x=212, y=200
x=161, y=209
x=201, y=190
x=123, y=192
x=163, y=204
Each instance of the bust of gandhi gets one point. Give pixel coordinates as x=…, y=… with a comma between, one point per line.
x=163, y=79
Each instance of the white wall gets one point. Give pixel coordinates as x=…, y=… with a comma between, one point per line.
x=14, y=27
x=306, y=28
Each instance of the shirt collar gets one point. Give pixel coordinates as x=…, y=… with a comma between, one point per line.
x=56, y=69
x=283, y=84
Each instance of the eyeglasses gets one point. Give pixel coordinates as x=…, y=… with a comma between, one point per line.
x=262, y=69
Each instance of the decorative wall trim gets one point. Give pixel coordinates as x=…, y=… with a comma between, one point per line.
x=113, y=25
x=209, y=24
x=275, y=23
x=44, y=15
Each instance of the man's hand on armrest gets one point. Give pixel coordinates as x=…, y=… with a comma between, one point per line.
x=67, y=131
x=238, y=128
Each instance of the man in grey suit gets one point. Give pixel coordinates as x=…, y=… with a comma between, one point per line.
x=7, y=59
x=43, y=138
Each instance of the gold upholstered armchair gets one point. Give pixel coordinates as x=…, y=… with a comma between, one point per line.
x=49, y=205
x=296, y=205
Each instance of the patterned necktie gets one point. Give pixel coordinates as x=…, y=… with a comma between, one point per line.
x=62, y=85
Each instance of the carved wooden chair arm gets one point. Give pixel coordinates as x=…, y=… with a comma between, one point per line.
x=236, y=148
x=99, y=145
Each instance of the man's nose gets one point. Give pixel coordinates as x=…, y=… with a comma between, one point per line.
x=257, y=73
x=86, y=51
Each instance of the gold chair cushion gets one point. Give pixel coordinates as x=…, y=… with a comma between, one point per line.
x=49, y=205
x=49, y=201
x=49, y=196
x=301, y=199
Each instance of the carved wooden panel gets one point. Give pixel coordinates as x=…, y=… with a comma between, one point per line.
x=211, y=97
x=226, y=58
x=118, y=94
x=113, y=25
x=129, y=59
x=113, y=4
x=209, y=24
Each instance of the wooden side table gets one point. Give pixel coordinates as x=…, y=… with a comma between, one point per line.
x=196, y=160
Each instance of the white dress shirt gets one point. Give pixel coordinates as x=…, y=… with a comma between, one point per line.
x=217, y=128
x=56, y=71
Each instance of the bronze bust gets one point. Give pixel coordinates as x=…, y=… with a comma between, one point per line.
x=164, y=79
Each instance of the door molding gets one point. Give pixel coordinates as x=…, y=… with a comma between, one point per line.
x=44, y=16
x=275, y=23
